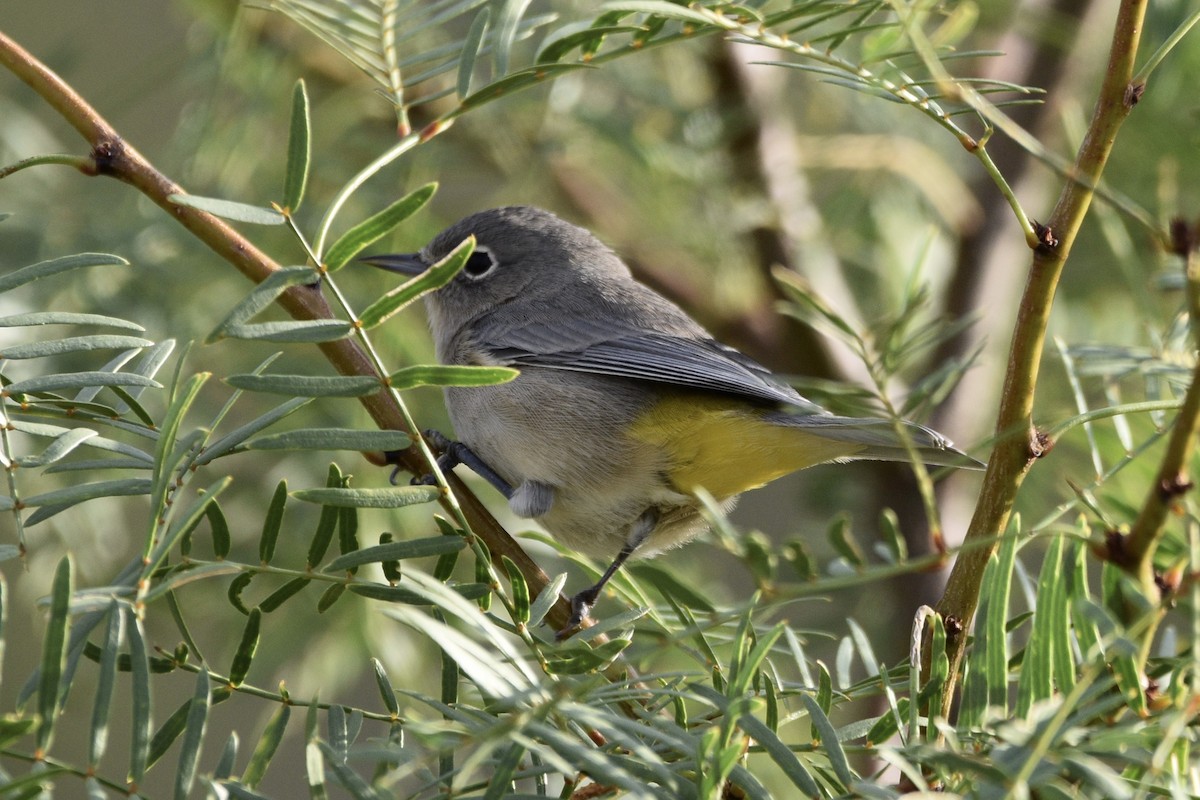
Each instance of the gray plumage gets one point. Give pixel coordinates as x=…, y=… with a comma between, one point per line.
x=597, y=351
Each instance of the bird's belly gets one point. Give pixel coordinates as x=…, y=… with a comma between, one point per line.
x=570, y=432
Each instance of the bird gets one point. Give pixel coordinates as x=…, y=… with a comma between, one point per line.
x=624, y=405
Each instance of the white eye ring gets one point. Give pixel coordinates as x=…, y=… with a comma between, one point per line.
x=480, y=264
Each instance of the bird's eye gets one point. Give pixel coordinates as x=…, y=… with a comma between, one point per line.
x=479, y=264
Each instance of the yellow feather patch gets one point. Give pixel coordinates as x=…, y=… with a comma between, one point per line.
x=729, y=447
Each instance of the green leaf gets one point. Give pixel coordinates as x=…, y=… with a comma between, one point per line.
x=383, y=497
x=164, y=545
x=308, y=385
x=67, y=318
x=393, y=551
x=506, y=33
x=224, y=767
x=520, y=591
x=299, y=152
x=78, y=380
x=402, y=594
x=62, y=446
x=166, y=443
x=54, y=653
x=893, y=538
x=385, y=687
x=516, y=81
x=228, y=209
x=73, y=344
x=140, y=724
x=152, y=360
x=374, y=228
x=587, y=38
x=824, y=691
x=450, y=375
x=939, y=674
x=13, y=728
x=811, y=309
x=578, y=661
x=827, y=734
x=348, y=530
x=798, y=557
x=749, y=666
x=657, y=8
x=45, y=269
x=71, y=495
x=330, y=596
x=236, y=587
x=390, y=567
x=781, y=755
x=98, y=738
x=483, y=575
x=841, y=536
x=1050, y=632
x=196, y=719
x=267, y=745
x=284, y=593
x=331, y=439
x=262, y=296
x=292, y=331
x=327, y=523
x=997, y=637
x=182, y=576
x=314, y=770
x=546, y=599
x=470, y=50
x=235, y=437
x=244, y=655
x=501, y=780
x=1086, y=631
x=220, y=530
x=986, y=677
x=862, y=644
x=431, y=279
x=272, y=523
x=670, y=586
x=887, y=725
x=351, y=782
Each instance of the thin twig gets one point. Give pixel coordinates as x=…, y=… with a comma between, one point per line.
x=1137, y=547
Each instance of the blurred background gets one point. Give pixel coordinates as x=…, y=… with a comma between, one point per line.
x=701, y=168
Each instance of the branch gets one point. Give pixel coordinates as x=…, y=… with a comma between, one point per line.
x=1019, y=444
x=1134, y=552
x=112, y=156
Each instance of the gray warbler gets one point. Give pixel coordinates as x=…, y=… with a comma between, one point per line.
x=624, y=404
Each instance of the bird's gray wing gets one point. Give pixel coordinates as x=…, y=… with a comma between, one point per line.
x=697, y=363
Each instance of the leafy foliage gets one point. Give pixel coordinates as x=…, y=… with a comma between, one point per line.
x=1067, y=690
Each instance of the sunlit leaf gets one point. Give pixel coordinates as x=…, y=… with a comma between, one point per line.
x=370, y=230
x=54, y=266
x=308, y=385
x=383, y=497
x=299, y=151
x=229, y=209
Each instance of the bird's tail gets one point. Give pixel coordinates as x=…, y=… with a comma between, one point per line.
x=878, y=439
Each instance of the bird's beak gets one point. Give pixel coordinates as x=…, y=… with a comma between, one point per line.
x=405, y=263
